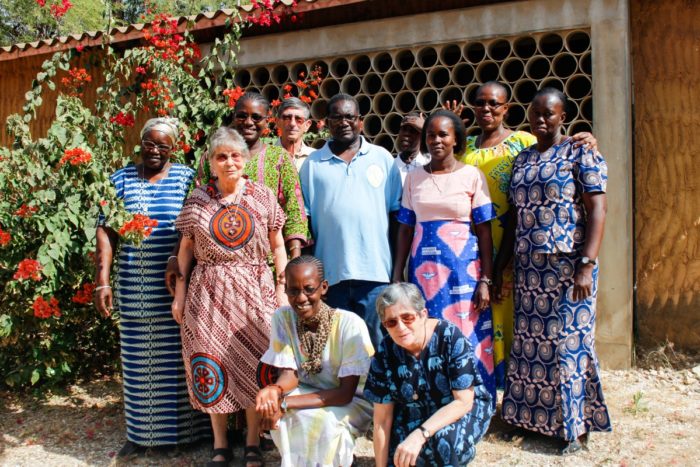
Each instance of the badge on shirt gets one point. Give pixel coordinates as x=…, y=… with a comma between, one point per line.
x=375, y=175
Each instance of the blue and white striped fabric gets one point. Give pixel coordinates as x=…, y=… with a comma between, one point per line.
x=156, y=401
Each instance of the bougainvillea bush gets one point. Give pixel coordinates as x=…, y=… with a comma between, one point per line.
x=54, y=188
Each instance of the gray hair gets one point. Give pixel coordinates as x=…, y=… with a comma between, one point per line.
x=294, y=103
x=225, y=136
x=166, y=125
x=404, y=293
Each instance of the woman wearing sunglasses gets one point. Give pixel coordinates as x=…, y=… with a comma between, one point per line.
x=272, y=166
x=430, y=404
x=315, y=407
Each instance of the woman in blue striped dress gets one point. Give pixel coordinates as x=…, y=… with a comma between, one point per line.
x=156, y=402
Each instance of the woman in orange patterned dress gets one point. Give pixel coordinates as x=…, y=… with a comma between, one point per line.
x=225, y=303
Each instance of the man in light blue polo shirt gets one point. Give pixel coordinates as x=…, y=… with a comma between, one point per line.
x=351, y=190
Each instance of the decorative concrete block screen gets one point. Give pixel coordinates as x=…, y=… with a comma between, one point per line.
x=391, y=83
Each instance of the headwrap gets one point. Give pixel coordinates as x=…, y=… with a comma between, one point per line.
x=167, y=125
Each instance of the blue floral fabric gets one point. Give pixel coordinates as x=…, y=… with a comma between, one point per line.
x=418, y=387
x=553, y=385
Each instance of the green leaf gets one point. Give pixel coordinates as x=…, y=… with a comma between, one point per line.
x=35, y=376
x=5, y=325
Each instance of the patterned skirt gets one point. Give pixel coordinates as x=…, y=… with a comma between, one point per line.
x=444, y=264
x=553, y=386
x=157, y=408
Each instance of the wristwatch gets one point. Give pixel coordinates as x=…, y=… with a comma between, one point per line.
x=486, y=281
x=283, y=405
x=586, y=260
x=424, y=432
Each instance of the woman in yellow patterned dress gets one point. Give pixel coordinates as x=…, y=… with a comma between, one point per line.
x=493, y=151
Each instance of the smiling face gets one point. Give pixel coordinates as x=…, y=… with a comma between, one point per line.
x=227, y=163
x=546, y=116
x=250, y=119
x=440, y=138
x=409, y=139
x=344, y=121
x=293, y=124
x=405, y=325
x=490, y=107
x=304, y=289
x=156, y=148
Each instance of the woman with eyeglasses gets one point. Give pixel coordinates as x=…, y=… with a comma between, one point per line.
x=315, y=408
x=445, y=234
x=273, y=166
x=430, y=404
x=225, y=302
x=157, y=410
x=493, y=152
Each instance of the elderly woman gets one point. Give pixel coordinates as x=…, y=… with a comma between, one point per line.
x=315, y=408
x=156, y=412
x=225, y=304
x=558, y=191
x=493, y=152
x=430, y=405
x=272, y=166
x=442, y=202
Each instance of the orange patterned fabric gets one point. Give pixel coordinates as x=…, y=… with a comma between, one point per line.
x=231, y=295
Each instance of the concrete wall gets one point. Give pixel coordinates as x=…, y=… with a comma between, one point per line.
x=666, y=57
x=608, y=21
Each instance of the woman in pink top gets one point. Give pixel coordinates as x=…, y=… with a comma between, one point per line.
x=446, y=236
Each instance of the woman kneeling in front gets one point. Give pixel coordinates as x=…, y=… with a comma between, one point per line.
x=430, y=404
x=315, y=409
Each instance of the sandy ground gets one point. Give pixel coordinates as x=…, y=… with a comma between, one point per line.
x=656, y=416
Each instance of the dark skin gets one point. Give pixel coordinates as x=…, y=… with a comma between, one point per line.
x=546, y=116
x=268, y=401
x=409, y=143
x=154, y=167
x=441, y=141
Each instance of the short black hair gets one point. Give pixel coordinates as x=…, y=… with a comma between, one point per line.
x=341, y=98
x=552, y=92
x=307, y=259
x=457, y=125
x=494, y=84
x=252, y=96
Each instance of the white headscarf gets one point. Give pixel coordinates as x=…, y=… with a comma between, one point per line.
x=166, y=125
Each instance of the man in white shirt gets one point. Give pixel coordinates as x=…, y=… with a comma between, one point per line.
x=293, y=120
x=409, y=158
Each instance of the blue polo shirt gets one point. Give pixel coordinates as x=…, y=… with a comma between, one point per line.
x=349, y=206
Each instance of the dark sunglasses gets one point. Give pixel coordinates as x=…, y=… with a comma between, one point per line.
x=335, y=118
x=256, y=118
x=306, y=291
x=491, y=104
x=406, y=318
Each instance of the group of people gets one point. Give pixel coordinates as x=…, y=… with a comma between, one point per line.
x=408, y=313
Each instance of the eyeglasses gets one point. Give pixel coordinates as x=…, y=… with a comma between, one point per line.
x=335, y=118
x=256, y=118
x=150, y=145
x=406, y=318
x=297, y=118
x=306, y=291
x=493, y=105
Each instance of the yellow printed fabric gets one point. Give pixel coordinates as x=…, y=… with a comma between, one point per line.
x=496, y=163
x=322, y=437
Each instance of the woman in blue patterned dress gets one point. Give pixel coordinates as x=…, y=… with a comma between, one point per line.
x=430, y=404
x=158, y=411
x=558, y=192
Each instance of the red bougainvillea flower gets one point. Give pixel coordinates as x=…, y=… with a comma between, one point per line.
x=75, y=156
x=25, y=211
x=76, y=80
x=287, y=87
x=141, y=70
x=276, y=103
x=138, y=228
x=123, y=119
x=103, y=202
x=28, y=269
x=59, y=10
x=80, y=48
x=44, y=309
x=84, y=295
x=5, y=237
x=233, y=95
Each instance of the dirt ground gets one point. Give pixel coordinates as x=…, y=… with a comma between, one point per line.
x=655, y=412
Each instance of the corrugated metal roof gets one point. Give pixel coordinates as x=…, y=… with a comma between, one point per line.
x=135, y=31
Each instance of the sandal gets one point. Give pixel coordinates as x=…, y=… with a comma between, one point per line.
x=253, y=455
x=130, y=449
x=226, y=453
x=514, y=434
x=571, y=447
